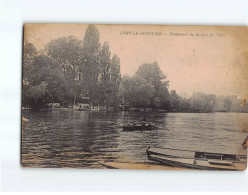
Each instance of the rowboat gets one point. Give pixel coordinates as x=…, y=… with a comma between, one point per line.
x=138, y=126
x=196, y=159
x=128, y=164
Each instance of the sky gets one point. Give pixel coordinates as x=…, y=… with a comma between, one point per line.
x=208, y=59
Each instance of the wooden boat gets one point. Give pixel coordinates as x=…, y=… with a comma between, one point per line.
x=138, y=126
x=196, y=159
x=132, y=165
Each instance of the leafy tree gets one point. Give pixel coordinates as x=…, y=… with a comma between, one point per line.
x=144, y=92
x=104, y=84
x=29, y=54
x=185, y=105
x=227, y=104
x=202, y=102
x=175, y=100
x=36, y=95
x=90, y=67
x=109, y=77
x=153, y=75
x=67, y=54
x=125, y=91
x=72, y=68
x=115, y=74
x=115, y=79
x=136, y=91
x=45, y=83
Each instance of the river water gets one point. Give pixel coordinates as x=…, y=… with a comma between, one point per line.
x=69, y=138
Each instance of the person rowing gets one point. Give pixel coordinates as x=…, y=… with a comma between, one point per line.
x=143, y=120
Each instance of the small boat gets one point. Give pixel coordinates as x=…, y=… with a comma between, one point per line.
x=131, y=165
x=139, y=126
x=196, y=160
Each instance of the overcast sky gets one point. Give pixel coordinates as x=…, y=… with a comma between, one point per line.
x=210, y=64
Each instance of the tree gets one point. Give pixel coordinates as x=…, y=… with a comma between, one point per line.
x=175, y=100
x=115, y=74
x=115, y=79
x=104, y=84
x=45, y=83
x=91, y=48
x=227, y=104
x=202, y=102
x=136, y=91
x=144, y=92
x=29, y=54
x=153, y=75
x=35, y=92
x=36, y=95
x=67, y=54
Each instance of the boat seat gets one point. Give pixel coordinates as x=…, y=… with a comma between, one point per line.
x=220, y=162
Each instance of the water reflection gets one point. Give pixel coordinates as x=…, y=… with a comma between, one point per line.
x=67, y=138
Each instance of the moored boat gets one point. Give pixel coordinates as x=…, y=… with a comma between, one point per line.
x=196, y=160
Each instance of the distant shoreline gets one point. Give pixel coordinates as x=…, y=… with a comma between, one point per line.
x=153, y=111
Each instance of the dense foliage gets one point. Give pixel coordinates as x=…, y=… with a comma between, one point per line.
x=69, y=70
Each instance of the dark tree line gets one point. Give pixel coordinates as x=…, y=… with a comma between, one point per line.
x=69, y=69
x=147, y=88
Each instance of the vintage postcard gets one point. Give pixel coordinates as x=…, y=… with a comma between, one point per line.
x=135, y=97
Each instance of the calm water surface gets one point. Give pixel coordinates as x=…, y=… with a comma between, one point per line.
x=68, y=138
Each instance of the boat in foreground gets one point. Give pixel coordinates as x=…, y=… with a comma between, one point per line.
x=196, y=160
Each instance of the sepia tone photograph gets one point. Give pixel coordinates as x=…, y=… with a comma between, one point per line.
x=134, y=97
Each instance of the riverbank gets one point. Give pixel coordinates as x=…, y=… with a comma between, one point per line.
x=138, y=111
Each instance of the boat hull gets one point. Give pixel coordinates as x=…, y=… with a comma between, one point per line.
x=195, y=163
x=138, y=127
